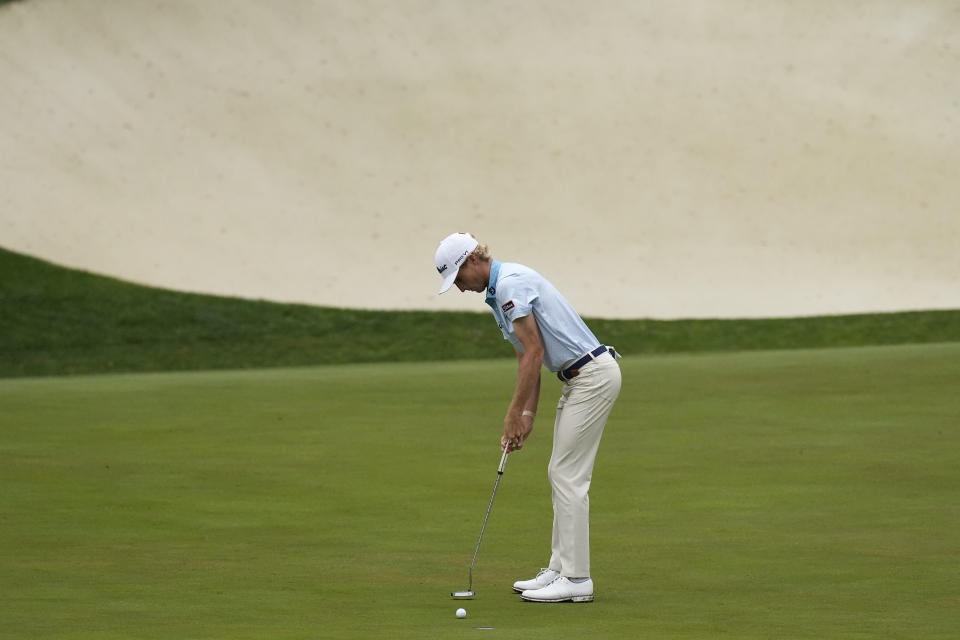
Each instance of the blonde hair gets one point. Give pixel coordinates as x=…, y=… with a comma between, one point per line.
x=482, y=251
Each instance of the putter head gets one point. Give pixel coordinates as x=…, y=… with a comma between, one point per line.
x=462, y=594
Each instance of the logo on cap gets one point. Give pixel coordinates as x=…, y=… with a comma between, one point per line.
x=441, y=269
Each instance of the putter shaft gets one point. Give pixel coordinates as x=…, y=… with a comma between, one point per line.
x=503, y=463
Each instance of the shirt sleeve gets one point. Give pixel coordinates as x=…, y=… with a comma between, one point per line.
x=518, y=297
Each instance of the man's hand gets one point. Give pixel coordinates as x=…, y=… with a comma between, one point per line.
x=515, y=432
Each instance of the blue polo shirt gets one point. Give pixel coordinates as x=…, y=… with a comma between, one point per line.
x=516, y=291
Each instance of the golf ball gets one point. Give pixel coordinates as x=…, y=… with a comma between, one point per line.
x=461, y=613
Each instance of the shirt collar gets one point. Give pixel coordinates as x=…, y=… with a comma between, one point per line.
x=491, y=298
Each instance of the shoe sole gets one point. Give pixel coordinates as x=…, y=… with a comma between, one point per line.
x=570, y=599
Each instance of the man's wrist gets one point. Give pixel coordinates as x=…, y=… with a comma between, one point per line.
x=527, y=412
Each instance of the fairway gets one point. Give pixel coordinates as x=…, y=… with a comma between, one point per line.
x=788, y=494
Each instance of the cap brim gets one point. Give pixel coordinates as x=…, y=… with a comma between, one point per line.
x=448, y=281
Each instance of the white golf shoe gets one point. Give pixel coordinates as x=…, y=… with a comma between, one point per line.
x=561, y=590
x=545, y=577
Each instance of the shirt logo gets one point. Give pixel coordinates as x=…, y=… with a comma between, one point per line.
x=507, y=306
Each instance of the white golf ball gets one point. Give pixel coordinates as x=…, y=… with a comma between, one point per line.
x=461, y=613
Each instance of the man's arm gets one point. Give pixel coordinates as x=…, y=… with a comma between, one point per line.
x=526, y=396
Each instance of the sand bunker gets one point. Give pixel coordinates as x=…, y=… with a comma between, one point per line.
x=653, y=159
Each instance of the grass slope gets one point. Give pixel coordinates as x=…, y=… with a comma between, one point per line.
x=797, y=494
x=56, y=321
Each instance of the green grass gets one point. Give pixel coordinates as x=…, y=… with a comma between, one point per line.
x=791, y=494
x=56, y=321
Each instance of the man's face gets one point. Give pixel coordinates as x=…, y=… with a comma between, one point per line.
x=471, y=276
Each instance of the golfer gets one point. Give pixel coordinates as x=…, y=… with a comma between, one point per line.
x=545, y=329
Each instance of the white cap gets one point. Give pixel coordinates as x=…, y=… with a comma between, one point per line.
x=451, y=253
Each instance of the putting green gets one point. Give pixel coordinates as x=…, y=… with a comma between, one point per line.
x=798, y=494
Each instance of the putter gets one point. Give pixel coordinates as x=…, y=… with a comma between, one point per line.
x=469, y=592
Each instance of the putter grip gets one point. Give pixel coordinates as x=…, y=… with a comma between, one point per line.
x=503, y=461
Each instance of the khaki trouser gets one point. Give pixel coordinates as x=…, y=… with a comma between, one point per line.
x=582, y=412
